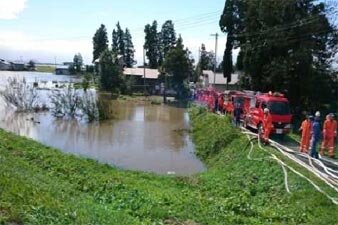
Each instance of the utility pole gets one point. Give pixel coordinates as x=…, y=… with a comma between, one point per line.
x=215, y=66
x=144, y=71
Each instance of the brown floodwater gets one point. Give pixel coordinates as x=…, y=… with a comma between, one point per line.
x=140, y=136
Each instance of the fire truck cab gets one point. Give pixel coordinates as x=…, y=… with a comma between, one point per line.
x=279, y=110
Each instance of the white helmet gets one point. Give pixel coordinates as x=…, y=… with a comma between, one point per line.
x=317, y=114
x=266, y=110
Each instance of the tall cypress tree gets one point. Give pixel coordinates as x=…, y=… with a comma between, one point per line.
x=230, y=23
x=284, y=46
x=115, y=44
x=168, y=37
x=152, y=44
x=207, y=59
x=120, y=40
x=129, y=49
x=100, y=42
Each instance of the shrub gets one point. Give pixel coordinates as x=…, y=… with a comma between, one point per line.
x=20, y=94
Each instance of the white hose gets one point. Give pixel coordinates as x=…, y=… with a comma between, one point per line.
x=309, y=168
x=274, y=144
x=329, y=178
x=285, y=178
x=334, y=200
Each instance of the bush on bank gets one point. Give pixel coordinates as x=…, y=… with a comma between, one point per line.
x=40, y=185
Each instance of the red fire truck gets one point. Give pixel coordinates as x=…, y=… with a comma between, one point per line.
x=238, y=99
x=279, y=109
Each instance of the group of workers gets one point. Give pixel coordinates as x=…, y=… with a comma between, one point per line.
x=310, y=127
x=215, y=101
x=312, y=133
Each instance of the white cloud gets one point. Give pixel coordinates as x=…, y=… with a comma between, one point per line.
x=21, y=44
x=9, y=9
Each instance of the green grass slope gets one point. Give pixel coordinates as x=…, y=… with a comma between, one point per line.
x=41, y=185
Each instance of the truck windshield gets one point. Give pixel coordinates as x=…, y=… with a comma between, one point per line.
x=279, y=108
x=238, y=100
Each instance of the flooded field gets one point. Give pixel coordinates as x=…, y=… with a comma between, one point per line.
x=140, y=136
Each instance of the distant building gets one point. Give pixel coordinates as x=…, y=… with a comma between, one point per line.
x=18, y=66
x=4, y=65
x=220, y=82
x=68, y=63
x=62, y=70
x=151, y=77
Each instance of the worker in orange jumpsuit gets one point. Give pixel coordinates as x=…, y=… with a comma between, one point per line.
x=306, y=134
x=211, y=102
x=229, y=107
x=329, y=135
x=267, y=125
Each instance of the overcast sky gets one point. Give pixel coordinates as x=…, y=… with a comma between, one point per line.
x=45, y=30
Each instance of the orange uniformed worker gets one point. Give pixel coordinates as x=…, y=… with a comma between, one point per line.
x=306, y=128
x=329, y=135
x=229, y=107
x=267, y=124
x=211, y=102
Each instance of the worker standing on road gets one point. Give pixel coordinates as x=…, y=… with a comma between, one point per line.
x=315, y=136
x=211, y=102
x=329, y=135
x=216, y=102
x=267, y=125
x=306, y=134
x=229, y=107
x=237, y=114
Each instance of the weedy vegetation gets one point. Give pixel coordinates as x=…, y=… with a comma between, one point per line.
x=41, y=185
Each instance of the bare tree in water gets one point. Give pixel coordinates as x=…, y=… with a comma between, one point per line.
x=74, y=103
x=20, y=94
x=65, y=102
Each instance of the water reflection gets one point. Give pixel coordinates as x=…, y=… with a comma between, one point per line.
x=140, y=136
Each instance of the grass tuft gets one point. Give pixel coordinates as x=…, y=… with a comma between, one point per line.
x=41, y=185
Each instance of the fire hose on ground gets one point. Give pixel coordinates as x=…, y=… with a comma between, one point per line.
x=329, y=178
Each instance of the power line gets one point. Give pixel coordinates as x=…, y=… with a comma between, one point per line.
x=285, y=27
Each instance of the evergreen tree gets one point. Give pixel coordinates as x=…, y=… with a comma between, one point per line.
x=179, y=64
x=207, y=59
x=110, y=72
x=284, y=46
x=100, y=42
x=129, y=49
x=115, y=43
x=167, y=38
x=231, y=23
x=77, y=62
x=120, y=40
x=152, y=45
x=31, y=64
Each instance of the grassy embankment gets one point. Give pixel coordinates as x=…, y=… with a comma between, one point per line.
x=40, y=185
x=45, y=69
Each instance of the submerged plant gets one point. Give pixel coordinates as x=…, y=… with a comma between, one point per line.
x=88, y=106
x=75, y=103
x=20, y=94
x=65, y=102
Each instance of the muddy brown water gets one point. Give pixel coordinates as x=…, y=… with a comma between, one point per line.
x=140, y=136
